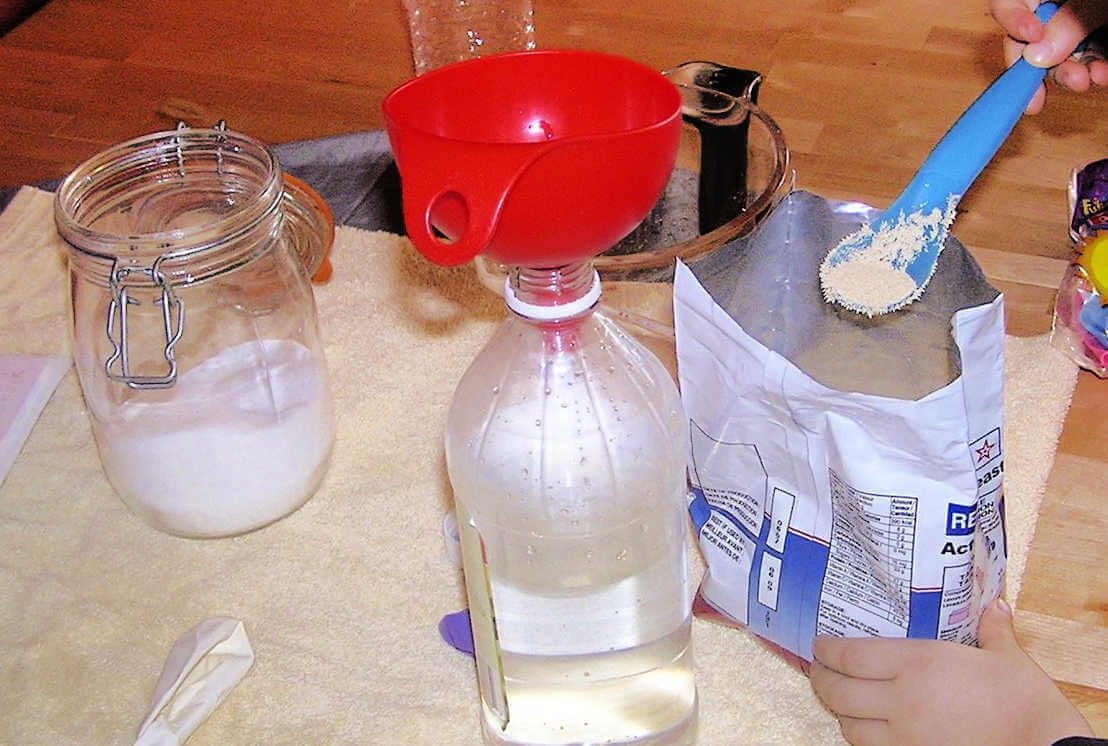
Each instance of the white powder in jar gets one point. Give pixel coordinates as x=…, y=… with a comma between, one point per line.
x=241, y=440
x=874, y=280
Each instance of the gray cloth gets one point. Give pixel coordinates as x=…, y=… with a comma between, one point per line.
x=355, y=175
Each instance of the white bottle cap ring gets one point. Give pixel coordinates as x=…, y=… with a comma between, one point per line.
x=552, y=312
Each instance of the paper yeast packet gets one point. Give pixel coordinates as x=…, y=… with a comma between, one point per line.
x=828, y=512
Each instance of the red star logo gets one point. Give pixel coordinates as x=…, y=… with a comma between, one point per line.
x=984, y=452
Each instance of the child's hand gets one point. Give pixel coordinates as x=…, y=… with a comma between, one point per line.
x=905, y=692
x=1051, y=45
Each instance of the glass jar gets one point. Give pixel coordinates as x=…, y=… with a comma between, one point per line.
x=194, y=330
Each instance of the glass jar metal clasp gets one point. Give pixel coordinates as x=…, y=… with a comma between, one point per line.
x=173, y=322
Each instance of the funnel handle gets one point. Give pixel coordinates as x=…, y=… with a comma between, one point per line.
x=480, y=177
x=483, y=218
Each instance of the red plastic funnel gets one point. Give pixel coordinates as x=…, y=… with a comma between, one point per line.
x=537, y=158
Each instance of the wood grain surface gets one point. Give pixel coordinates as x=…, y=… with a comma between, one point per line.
x=861, y=88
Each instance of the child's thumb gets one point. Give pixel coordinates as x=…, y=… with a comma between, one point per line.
x=1070, y=25
x=995, y=631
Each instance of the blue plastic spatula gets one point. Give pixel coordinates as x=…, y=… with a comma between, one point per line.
x=887, y=264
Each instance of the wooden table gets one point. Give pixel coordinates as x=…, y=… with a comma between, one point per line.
x=862, y=89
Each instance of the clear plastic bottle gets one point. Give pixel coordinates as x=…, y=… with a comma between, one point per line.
x=566, y=448
x=445, y=31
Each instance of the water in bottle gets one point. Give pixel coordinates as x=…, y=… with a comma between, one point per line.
x=566, y=447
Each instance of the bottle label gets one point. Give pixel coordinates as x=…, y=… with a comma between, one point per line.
x=486, y=644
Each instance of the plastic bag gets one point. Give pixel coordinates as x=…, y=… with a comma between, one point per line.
x=846, y=473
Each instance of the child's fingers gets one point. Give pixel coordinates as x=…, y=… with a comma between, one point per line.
x=846, y=696
x=1098, y=73
x=860, y=732
x=864, y=657
x=1016, y=18
x=1072, y=75
x=1073, y=22
x=1093, y=58
x=1038, y=101
x=1013, y=50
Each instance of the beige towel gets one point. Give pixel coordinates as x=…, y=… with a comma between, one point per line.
x=341, y=599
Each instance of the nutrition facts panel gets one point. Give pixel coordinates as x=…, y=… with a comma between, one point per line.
x=869, y=569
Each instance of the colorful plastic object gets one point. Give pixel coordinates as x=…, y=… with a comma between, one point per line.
x=1093, y=314
x=1080, y=321
x=1095, y=353
x=1094, y=318
x=1088, y=198
x=540, y=158
x=1094, y=260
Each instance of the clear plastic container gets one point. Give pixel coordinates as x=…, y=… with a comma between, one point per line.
x=566, y=445
x=445, y=31
x=194, y=330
